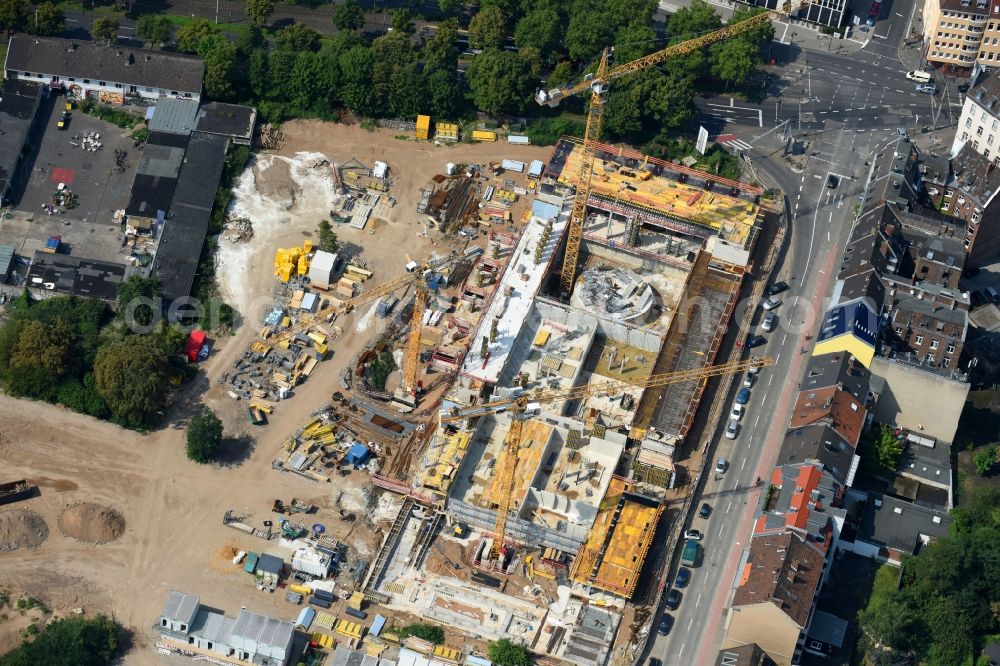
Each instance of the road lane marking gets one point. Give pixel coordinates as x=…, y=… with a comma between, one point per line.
x=729, y=506
x=720, y=535
x=745, y=460
x=698, y=600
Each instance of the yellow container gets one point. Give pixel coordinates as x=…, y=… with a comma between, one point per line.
x=422, y=131
x=484, y=135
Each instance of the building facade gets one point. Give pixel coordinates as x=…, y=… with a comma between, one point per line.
x=953, y=31
x=107, y=74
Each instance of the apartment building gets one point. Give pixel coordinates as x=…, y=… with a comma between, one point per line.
x=953, y=31
x=932, y=333
x=979, y=124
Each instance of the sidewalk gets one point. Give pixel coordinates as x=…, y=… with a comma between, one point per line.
x=808, y=37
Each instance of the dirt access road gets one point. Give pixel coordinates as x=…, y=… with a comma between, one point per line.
x=172, y=509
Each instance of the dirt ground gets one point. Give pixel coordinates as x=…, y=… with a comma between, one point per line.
x=170, y=533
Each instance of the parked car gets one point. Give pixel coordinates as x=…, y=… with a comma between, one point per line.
x=743, y=397
x=754, y=368
x=693, y=535
x=768, y=324
x=748, y=379
x=737, y=413
x=705, y=511
x=929, y=88
x=777, y=288
x=919, y=76
x=733, y=429
x=673, y=599
x=771, y=304
x=683, y=577
x=755, y=341
x=653, y=661
x=832, y=181
x=664, y=627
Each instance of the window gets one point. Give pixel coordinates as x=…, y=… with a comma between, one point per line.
x=934, y=344
x=986, y=153
x=173, y=92
x=975, y=146
x=27, y=73
x=965, y=135
x=950, y=349
x=72, y=80
x=919, y=340
x=118, y=85
x=979, y=131
x=86, y=80
x=101, y=83
x=968, y=122
x=899, y=330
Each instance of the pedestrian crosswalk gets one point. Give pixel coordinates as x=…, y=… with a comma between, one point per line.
x=734, y=144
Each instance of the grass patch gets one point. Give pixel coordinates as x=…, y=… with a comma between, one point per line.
x=235, y=28
x=381, y=369
x=547, y=131
x=102, y=10
x=122, y=119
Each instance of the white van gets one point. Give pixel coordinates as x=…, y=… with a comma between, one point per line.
x=919, y=76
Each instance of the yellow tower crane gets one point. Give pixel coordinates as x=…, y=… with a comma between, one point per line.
x=598, y=84
x=528, y=405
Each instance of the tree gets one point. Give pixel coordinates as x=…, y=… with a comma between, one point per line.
x=587, y=34
x=130, y=376
x=402, y=21
x=297, y=37
x=133, y=300
x=105, y=30
x=13, y=14
x=259, y=11
x=155, y=30
x=448, y=6
x=219, y=62
x=348, y=15
x=204, y=437
x=190, y=36
x=429, y=632
x=505, y=652
x=540, y=28
x=327, y=238
x=443, y=93
x=69, y=641
x=486, y=29
x=49, y=20
x=732, y=61
x=500, y=82
x=440, y=52
x=888, y=448
x=356, y=67
x=984, y=459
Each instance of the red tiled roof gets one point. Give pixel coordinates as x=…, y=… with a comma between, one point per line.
x=783, y=570
x=840, y=409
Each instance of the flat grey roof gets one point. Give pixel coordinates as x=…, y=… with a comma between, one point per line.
x=6, y=261
x=227, y=119
x=74, y=275
x=899, y=524
x=175, y=116
x=18, y=104
x=181, y=606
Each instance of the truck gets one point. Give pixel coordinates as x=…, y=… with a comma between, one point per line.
x=689, y=556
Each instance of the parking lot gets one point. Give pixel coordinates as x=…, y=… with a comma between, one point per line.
x=89, y=229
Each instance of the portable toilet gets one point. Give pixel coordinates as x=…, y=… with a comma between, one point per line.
x=423, y=128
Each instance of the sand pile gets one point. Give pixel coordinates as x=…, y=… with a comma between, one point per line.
x=92, y=523
x=21, y=528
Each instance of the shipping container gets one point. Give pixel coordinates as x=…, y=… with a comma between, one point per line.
x=484, y=135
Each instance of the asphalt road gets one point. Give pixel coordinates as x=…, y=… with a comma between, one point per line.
x=851, y=104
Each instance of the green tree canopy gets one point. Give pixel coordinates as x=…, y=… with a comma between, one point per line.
x=500, y=81
x=429, y=632
x=505, y=652
x=297, y=37
x=131, y=377
x=439, y=52
x=219, y=74
x=48, y=20
x=133, y=300
x=540, y=28
x=444, y=93
x=486, y=29
x=13, y=14
x=356, y=67
x=105, y=30
x=733, y=61
x=259, y=11
x=204, y=437
x=69, y=641
x=154, y=29
x=348, y=15
x=984, y=459
x=888, y=448
x=327, y=239
x=191, y=36
x=587, y=34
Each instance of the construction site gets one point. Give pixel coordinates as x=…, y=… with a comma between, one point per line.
x=485, y=388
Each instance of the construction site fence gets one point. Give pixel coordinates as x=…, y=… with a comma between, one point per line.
x=516, y=529
x=398, y=124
